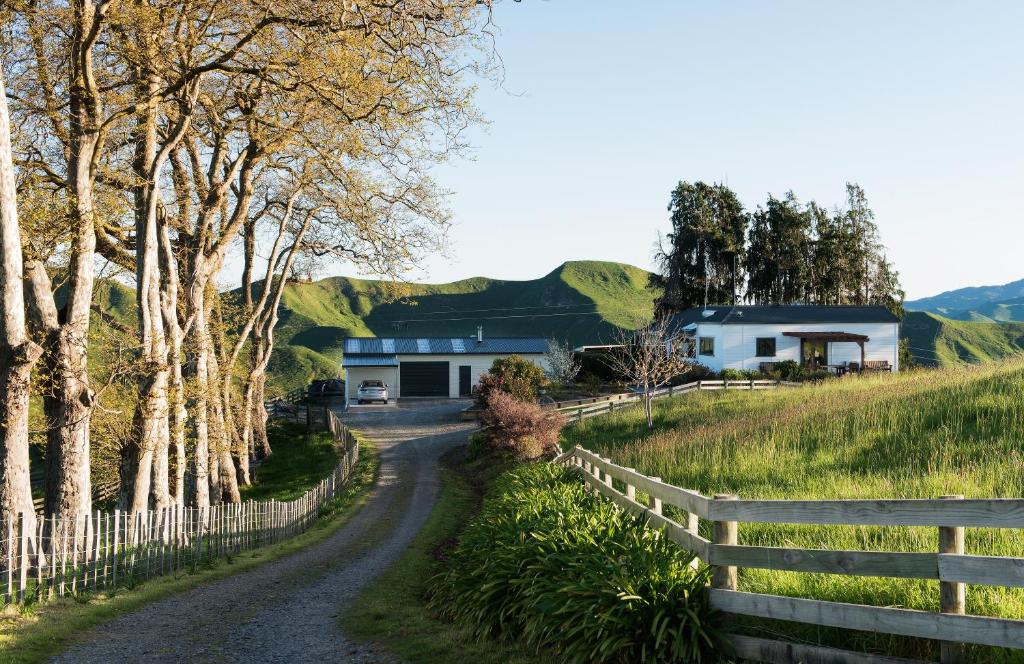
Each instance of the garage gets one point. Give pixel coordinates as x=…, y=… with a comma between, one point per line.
x=424, y=379
x=432, y=367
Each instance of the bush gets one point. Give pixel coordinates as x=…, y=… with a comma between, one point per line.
x=547, y=563
x=732, y=374
x=789, y=370
x=590, y=384
x=695, y=372
x=522, y=429
x=513, y=375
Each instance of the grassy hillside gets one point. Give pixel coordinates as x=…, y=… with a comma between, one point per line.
x=914, y=435
x=579, y=302
x=938, y=341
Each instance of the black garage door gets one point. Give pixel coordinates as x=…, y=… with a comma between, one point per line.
x=424, y=379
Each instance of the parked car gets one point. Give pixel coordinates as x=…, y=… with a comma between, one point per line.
x=372, y=390
x=332, y=387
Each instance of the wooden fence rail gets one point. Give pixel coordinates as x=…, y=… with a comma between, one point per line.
x=949, y=563
x=581, y=409
x=44, y=558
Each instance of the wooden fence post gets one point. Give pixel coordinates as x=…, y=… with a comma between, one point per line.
x=952, y=596
x=22, y=556
x=725, y=576
x=656, y=502
x=630, y=489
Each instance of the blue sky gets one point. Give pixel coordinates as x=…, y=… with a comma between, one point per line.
x=606, y=105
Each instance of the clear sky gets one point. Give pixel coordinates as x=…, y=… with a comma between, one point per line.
x=608, y=104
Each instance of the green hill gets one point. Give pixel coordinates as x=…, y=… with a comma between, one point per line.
x=938, y=341
x=579, y=302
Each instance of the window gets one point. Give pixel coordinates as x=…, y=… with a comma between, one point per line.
x=766, y=347
x=707, y=346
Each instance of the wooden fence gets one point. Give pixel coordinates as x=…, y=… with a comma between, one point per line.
x=581, y=409
x=44, y=558
x=949, y=564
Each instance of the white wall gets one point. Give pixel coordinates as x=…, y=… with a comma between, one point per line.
x=479, y=364
x=355, y=375
x=715, y=331
x=736, y=345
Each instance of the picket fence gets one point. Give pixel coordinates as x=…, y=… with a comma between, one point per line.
x=581, y=409
x=949, y=564
x=43, y=558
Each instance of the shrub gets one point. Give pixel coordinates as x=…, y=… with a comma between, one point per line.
x=789, y=370
x=550, y=564
x=590, y=384
x=732, y=374
x=522, y=429
x=513, y=375
x=694, y=373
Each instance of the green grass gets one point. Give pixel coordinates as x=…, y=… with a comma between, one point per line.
x=393, y=610
x=38, y=632
x=299, y=461
x=915, y=435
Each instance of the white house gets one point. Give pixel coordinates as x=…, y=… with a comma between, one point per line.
x=432, y=366
x=834, y=337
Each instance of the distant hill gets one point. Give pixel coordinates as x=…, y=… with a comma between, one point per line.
x=938, y=341
x=579, y=302
x=977, y=303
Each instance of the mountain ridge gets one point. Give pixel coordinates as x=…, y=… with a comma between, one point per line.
x=577, y=302
x=996, y=303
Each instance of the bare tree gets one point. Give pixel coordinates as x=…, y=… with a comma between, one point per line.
x=649, y=358
x=562, y=363
x=17, y=352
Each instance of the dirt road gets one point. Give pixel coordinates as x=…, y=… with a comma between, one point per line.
x=287, y=610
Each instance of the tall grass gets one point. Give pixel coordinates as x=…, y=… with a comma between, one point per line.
x=915, y=435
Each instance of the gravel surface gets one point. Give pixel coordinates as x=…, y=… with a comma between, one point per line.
x=287, y=610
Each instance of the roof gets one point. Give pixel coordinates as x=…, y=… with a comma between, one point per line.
x=784, y=314
x=444, y=346
x=369, y=361
x=827, y=336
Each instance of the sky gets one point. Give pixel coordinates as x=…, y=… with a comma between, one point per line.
x=606, y=105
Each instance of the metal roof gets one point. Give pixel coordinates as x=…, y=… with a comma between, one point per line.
x=369, y=361
x=784, y=315
x=444, y=346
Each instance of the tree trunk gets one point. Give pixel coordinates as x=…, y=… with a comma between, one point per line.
x=66, y=403
x=152, y=425
x=221, y=439
x=261, y=441
x=199, y=365
x=17, y=352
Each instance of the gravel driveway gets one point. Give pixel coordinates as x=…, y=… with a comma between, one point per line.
x=287, y=610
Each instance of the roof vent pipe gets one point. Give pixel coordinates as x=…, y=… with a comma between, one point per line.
x=479, y=334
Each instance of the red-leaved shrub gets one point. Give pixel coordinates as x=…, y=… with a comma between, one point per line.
x=522, y=429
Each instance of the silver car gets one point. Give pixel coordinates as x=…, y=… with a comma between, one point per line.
x=372, y=390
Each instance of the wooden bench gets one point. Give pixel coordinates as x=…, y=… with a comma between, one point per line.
x=877, y=365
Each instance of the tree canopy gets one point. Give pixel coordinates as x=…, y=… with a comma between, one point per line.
x=785, y=252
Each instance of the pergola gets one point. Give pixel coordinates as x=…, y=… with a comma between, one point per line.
x=850, y=337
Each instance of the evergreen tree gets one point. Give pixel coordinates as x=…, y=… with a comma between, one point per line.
x=703, y=261
x=780, y=256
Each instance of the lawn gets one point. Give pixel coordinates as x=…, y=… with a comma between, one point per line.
x=300, y=460
x=393, y=610
x=915, y=435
